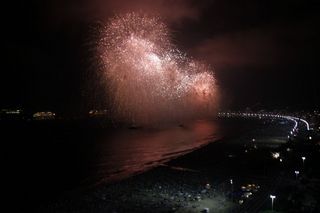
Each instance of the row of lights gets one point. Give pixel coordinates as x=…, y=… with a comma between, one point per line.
x=292, y=118
x=275, y=155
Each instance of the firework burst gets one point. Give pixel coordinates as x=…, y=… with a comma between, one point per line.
x=148, y=79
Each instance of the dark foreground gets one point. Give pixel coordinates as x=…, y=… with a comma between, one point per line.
x=213, y=178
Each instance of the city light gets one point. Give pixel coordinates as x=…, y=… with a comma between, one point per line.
x=275, y=155
x=272, y=198
x=303, y=159
x=307, y=124
x=290, y=118
x=231, y=182
x=208, y=186
x=11, y=111
x=44, y=115
x=297, y=173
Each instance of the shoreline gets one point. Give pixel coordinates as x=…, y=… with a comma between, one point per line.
x=188, y=183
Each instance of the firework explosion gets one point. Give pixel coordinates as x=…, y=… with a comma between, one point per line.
x=148, y=79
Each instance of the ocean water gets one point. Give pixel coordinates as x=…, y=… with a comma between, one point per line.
x=124, y=152
x=44, y=160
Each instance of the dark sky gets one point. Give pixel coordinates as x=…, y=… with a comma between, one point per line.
x=264, y=52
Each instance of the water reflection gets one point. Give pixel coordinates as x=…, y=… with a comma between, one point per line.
x=126, y=151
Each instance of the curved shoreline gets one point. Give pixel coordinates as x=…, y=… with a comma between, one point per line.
x=178, y=186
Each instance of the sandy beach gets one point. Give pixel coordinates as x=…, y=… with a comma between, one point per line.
x=195, y=182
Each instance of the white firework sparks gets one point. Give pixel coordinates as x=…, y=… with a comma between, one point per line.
x=148, y=79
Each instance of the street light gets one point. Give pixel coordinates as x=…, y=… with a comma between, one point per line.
x=231, y=182
x=303, y=159
x=272, y=198
x=297, y=173
x=275, y=155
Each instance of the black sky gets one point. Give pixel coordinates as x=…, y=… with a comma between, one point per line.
x=264, y=52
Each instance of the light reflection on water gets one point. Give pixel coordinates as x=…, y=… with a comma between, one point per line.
x=125, y=152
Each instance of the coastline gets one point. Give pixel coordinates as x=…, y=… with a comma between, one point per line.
x=194, y=182
x=164, y=188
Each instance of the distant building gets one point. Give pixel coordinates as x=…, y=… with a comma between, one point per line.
x=44, y=116
x=11, y=114
x=98, y=113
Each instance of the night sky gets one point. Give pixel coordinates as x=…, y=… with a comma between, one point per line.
x=264, y=53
